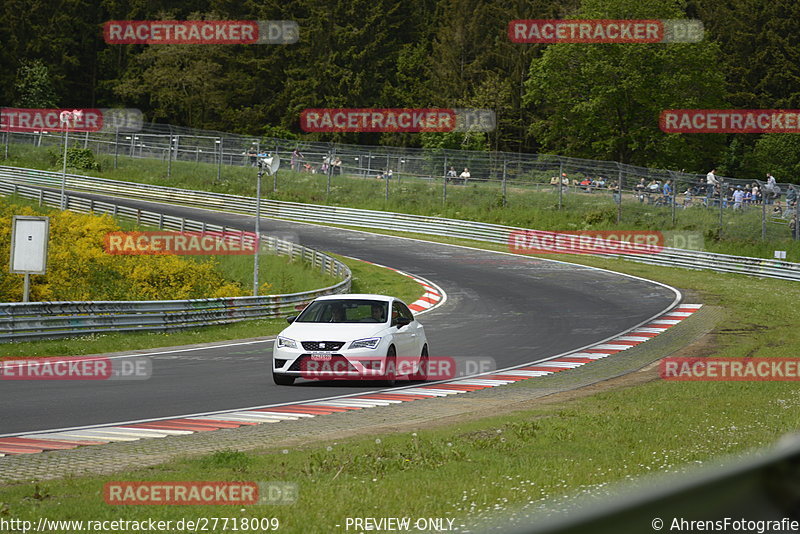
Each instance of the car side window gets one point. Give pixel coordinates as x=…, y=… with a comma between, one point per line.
x=404, y=311
x=400, y=310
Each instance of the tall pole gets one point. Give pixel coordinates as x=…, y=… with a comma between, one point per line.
x=505, y=164
x=219, y=163
x=331, y=155
x=797, y=217
x=64, y=170
x=721, y=185
x=116, y=146
x=763, y=212
x=560, y=183
x=169, y=157
x=444, y=181
x=258, y=229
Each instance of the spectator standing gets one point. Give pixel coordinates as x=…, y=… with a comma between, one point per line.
x=639, y=188
x=667, y=190
x=295, y=160
x=711, y=184
x=738, y=197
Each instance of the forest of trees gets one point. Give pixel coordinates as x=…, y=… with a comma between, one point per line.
x=597, y=101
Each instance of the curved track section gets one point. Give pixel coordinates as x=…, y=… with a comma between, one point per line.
x=514, y=309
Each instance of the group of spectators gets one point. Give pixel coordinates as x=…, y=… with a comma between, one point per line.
x=717, y=191
x=453, y=177
x=588, y=183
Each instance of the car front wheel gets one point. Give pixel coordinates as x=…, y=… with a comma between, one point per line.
x=390, y=376
x=422, y=369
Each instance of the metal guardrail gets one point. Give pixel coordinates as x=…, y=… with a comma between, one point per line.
x=39, y=320
x=438, y=226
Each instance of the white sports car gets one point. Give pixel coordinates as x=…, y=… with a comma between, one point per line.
x=356, y=336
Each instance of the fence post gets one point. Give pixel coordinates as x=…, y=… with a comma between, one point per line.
x=560, y=183
x=116, y=145
x=505, y=165
x=169, y=156
x=763, y=212
x=796, y=217
x=219, y=162
x=330, y=171
x=722, y=186
x=444, y=181
x=619, y=193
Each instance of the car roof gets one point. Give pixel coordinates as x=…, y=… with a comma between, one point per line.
x=358, y=296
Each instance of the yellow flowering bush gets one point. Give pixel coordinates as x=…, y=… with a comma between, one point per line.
x=80, y=269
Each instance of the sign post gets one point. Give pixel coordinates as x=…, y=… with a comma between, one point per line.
x=29, y=237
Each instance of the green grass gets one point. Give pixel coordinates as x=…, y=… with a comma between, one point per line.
x=366, y=279
x=528, y=460
x=531, y=206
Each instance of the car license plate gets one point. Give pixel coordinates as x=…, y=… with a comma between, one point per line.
x=321, y=356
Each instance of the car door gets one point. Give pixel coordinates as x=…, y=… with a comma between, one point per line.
x=404, y=337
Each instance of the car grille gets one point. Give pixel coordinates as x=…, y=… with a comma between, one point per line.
x=322, y=345
x=337, y=362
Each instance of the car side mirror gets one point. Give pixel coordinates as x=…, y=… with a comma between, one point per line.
x=291, y=319
x=400, y=322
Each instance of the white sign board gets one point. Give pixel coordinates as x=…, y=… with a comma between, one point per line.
x=29, y=236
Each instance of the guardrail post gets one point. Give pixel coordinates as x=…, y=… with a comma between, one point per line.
x=41, y=197
x=160, y=221
x=91, y=205
x=138, y=216
x=183, y=224
x=14, y=189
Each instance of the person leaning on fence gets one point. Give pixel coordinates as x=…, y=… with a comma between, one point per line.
x=452, y=174
x=465, y=176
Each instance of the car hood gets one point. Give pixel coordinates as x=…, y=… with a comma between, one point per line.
x=333, y=331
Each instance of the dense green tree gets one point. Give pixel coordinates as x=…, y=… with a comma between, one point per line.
x=604, y=100
x=33, y=87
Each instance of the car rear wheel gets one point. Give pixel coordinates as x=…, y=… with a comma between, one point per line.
x=422, y=369
x=282, y=380
x=390, y=376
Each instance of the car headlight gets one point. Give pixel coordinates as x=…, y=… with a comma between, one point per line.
x=286, y=342
x=369, y=343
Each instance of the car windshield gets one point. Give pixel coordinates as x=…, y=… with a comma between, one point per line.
x=345, y=311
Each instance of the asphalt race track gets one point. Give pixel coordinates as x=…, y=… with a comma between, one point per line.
x=511, y=308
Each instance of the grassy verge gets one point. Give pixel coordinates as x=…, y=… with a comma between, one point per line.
x=366, y=279
x=475, y=470
x=533, y=206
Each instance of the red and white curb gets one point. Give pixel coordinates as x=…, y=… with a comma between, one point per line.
x=73, y=438
x=434, y=295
